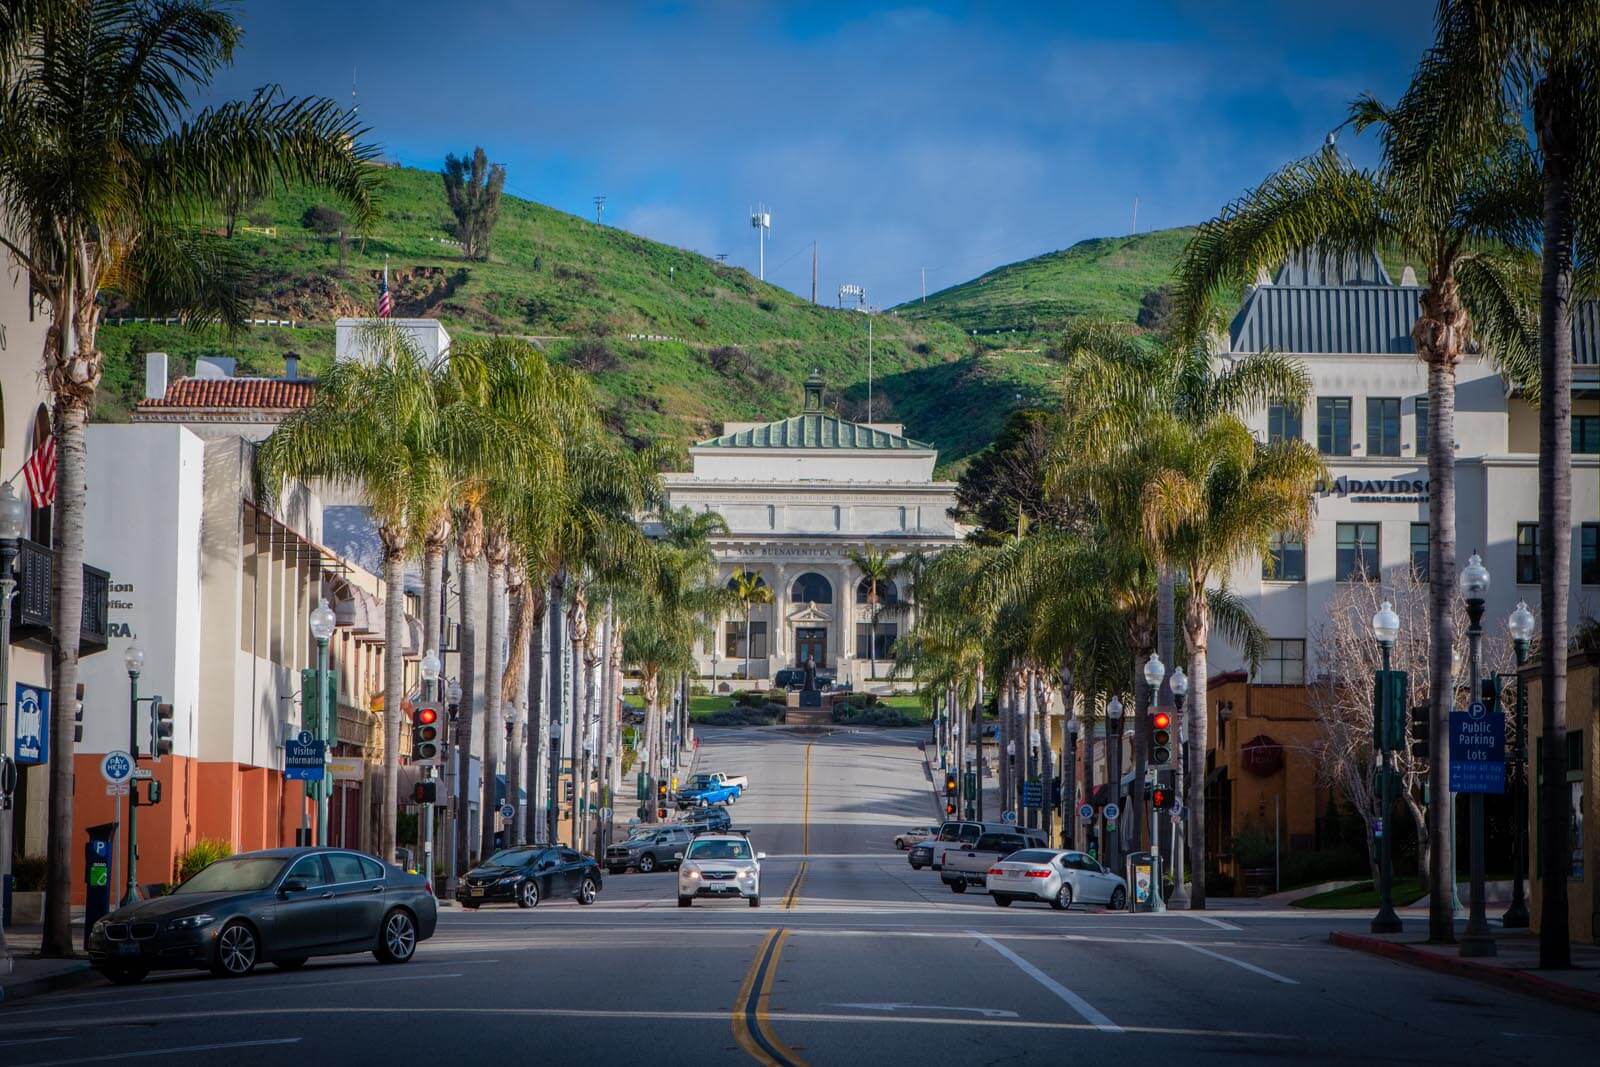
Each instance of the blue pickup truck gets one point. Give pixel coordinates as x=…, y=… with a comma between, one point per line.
x=704, y=790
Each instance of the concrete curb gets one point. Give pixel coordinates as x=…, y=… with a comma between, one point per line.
x=48, y=983
x=1516, y=981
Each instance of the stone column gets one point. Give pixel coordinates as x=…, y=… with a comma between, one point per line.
x=778, y=639
x=845, y=601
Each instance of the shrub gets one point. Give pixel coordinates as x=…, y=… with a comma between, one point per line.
x=745, y=715
x=201, y=854
x=323, y=220
x=28, y=874
x=847, y=713
x=593, y=356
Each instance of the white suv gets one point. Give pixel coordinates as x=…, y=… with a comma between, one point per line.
x=720, y=865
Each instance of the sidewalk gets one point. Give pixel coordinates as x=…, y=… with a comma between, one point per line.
x=1516, y=967
x=30, y=975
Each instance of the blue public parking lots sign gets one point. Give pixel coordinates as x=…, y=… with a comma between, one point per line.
x=1477, y=751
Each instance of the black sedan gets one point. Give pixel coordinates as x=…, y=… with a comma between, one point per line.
x=281, y=905
x=529, y=874
x=704, y=820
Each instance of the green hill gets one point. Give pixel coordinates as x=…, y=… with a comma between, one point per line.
x=1106, y=277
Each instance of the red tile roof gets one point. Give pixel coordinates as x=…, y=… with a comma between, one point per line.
x=246, y=393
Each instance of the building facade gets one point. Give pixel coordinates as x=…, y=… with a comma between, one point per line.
x=798, y=496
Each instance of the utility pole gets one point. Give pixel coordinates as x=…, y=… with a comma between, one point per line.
x=924, y=285
x=1135, y=228
x=813, y=272
x=600, y=210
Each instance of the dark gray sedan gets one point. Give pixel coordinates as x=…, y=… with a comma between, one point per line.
x=280, y=905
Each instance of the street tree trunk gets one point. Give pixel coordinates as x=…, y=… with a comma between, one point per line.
x=1047, y=768
x=394, y=664
x=1555, y=119
x=533, y=749
x=577, y=633
x=494, y=667
x=557, y=697
x=607, y=708
x=433, y=548
x=513, y=693
x=469, y=547
x=1197, y=634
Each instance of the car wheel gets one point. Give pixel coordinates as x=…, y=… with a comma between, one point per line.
x=684, y=902
x=917, y=866
x=237, y=951
x=293, y=963
x=647, y=863
x=397, y=941
x=125, y=975
x=958, y=886
x=1119, y=899
x=528, y=894
x=755, y=902
x=1063, y=898
x=1002, y=902
x=902, y=846
x=586, y=892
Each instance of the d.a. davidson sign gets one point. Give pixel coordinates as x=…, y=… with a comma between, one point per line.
x=1377, y=490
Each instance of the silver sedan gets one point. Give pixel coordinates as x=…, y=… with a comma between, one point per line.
x=1057, y=877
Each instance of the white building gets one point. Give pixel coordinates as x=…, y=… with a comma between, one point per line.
x=798, y=495
x=1351, y=327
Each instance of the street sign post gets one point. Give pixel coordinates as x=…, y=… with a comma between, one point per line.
x=1086, y=811
x=507, y=811
x=1008, y=817
x=1112, y=811
x=1477, y=750
x=304, y=759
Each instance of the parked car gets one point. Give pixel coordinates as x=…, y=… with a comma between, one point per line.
x=794, y=678
x=650, y=848
x=720, y=865
x=1058, y=877
x=970, y=866
x=701, y=820
x=906, y=838
x=529, y=874
x=279, y=905
x=716, y=779
x=966, y=833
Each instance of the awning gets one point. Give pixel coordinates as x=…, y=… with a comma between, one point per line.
x=353, y=607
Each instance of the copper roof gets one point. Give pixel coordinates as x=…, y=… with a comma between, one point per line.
x=245, y=393
x=814, y=431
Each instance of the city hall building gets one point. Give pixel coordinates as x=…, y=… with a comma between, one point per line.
x=798, y=496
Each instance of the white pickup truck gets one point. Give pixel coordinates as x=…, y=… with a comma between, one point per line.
x=739, y=781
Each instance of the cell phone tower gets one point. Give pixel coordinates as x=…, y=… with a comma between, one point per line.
x=761, y=222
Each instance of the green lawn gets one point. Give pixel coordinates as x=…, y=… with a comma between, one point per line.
x=1362, y=895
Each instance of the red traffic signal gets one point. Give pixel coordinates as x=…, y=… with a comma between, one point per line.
x=661, y=813
x=1161, y=798
x=1161, y=720
x=426, y=716
x=949, y=807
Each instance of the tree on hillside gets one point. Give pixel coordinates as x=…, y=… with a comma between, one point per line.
x=473, y=188
x=108, y=176
x=1006, y=481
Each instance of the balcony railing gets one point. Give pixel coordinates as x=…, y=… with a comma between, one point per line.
x=32, y=621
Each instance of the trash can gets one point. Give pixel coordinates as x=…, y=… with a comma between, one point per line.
x=1144, y=880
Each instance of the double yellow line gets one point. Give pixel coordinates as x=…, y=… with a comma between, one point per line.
x=793, y=894
x=752, y=1024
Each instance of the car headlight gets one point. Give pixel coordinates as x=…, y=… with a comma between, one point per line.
x=99, y=927
x=692, y=873
x=510, y=879
x=190, y=922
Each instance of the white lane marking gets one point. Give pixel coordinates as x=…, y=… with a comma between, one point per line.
x=1075, y=1002
x=987, y=1013
x=1252, y=968
x=163, y=991
x=1218, y=923
x=30, y=1041
x=127, y=1055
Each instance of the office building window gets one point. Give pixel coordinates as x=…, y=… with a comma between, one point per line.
x=1333, y=425
x=1423, y=408
x=1383, y=426
x=887, y=632
x=1356, y=556
x=1284, y=663
x=1527, y=553
x=1589, y=554
x=735, y=637
x=1283, y=423
x=1586, y=434
x=1419, y=550
x=1286, y=559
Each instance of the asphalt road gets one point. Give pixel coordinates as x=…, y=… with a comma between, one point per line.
x=852, y=958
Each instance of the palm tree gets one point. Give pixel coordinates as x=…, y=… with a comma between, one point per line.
x=106, y=175
x=749, y=589
x=1460, y=204
x=878, y=571
x=1494, y=63
x=373, y=426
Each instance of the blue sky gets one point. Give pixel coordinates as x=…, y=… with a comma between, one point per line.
x=951, y=137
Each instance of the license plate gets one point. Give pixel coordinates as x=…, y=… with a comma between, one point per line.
x=127, y=949
x=475, y=892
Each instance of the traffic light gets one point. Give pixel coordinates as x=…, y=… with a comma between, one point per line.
x=1388, y=724
x=425, y=792
x=950, y=785
x=160, y=729
x=661, y=792
x=425, y=735
x=1161, y=798
x=1160, y=753
x=77, y=717
x=950, y=808
x=1421, y=731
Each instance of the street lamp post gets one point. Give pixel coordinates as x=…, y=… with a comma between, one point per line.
x=321, y=622
x=452, y=787
x=1477, y=941
x=13, y=516
x=1521, y=626
x=133, y=659
x=1178, y=686
x=1385, y=628
x=1114, y=766
x=430, y=667
x=1154, y=672
x=554, y=809
x=1069, y=794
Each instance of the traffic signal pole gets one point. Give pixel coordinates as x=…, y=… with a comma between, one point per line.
x=132, y=893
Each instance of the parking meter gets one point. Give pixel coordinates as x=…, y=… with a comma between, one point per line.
x=97, y=876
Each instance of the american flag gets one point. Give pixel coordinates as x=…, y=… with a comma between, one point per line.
x=40, y=471
x=385, y=300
